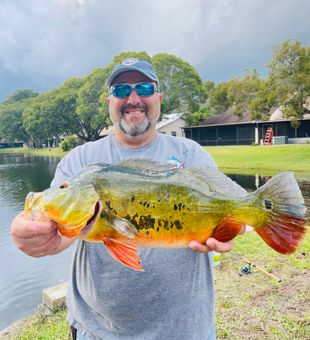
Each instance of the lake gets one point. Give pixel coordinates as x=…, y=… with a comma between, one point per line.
x=22, y=278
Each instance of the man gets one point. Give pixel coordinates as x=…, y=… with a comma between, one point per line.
x=174, y=297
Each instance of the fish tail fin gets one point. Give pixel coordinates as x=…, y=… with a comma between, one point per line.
x=282, y=199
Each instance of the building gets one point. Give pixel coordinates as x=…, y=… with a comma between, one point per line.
x=229, y=129
x=171, y=124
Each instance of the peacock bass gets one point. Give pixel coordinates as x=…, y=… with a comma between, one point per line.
x=140, y=204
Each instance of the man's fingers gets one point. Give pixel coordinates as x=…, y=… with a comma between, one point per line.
x=197, y=246
x=220, y=247
x=26, y=229
x=211, y=244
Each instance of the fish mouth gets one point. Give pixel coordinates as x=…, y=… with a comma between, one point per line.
x=90, y=223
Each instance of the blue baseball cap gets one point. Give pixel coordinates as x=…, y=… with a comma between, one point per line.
x=133, y=64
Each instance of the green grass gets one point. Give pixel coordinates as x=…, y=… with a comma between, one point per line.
x=55, y=327
x=263, y=160
x=255, y=306
x=54, y=152
x=251, y=160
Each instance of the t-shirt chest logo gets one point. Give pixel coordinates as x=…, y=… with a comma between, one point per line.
x=174, y=163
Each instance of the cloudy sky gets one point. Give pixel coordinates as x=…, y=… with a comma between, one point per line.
x=44, y=42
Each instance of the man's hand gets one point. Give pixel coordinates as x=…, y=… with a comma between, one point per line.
x=213, y=244
x=36, y=238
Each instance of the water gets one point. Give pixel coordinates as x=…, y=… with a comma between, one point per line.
x=22, y=278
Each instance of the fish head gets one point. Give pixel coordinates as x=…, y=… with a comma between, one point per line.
x=72, y=206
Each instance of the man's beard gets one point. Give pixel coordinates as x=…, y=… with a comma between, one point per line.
x=134, y=128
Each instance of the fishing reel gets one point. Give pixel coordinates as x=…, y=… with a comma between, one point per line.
x=245, y=270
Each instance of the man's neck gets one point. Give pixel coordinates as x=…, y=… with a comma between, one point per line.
x=135, y=142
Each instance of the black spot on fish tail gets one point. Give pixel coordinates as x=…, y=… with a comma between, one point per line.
x=132, y=199
x=157, y=229
x=175, y=207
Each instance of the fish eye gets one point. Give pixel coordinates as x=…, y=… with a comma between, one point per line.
x=64, y=186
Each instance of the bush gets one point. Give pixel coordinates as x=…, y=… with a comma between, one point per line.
x=70, y=143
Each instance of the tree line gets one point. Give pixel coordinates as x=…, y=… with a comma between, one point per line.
x=78, y=107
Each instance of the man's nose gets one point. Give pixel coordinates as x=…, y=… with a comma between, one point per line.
x=133, y=98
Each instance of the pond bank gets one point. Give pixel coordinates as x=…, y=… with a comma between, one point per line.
x=53, y=300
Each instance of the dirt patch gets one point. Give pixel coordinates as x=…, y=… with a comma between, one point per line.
x=255, y=306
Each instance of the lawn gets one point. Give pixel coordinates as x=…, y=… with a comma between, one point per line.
x=265, y=160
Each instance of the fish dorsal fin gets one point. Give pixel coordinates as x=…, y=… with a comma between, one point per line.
x=142, y=167
x=218, y=182
x=90, y=168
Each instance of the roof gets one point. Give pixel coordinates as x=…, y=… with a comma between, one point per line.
x=278, y=115
x=168, y=119
x=229, y=118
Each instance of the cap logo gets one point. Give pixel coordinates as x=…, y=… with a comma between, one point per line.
x=130, y=61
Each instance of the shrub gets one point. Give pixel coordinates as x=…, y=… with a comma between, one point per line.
x=70, y=143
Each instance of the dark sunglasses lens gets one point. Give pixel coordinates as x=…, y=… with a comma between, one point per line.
x=121, y=90
x=145, y=89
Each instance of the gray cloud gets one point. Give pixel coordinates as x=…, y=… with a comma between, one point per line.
x=42, y=43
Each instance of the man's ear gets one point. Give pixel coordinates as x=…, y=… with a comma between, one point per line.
x=160, y=97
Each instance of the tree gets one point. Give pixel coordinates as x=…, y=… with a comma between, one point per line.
x=20, y=95
x=198, y=117
x=218, y=99
x=242, y=91
x=52, y=114
x=180, y=84
x=11, y=121
x=91, y=113
x=288, y=78
x=11, y=115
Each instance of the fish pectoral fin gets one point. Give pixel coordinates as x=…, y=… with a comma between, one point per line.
x=227, y=229
x=123, y=253
x=121, y=225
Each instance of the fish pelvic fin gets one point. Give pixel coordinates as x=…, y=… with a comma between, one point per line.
x=226, y=229
x=123, y=253
x=282, y=199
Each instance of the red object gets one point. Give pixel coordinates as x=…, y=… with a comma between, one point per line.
x=268, y=136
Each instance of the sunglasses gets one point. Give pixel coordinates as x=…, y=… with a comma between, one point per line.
x=124, y=90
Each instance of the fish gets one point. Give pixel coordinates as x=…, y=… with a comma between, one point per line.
x=141, y=204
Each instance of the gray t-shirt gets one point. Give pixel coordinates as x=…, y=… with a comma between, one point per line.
x=173, y=298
